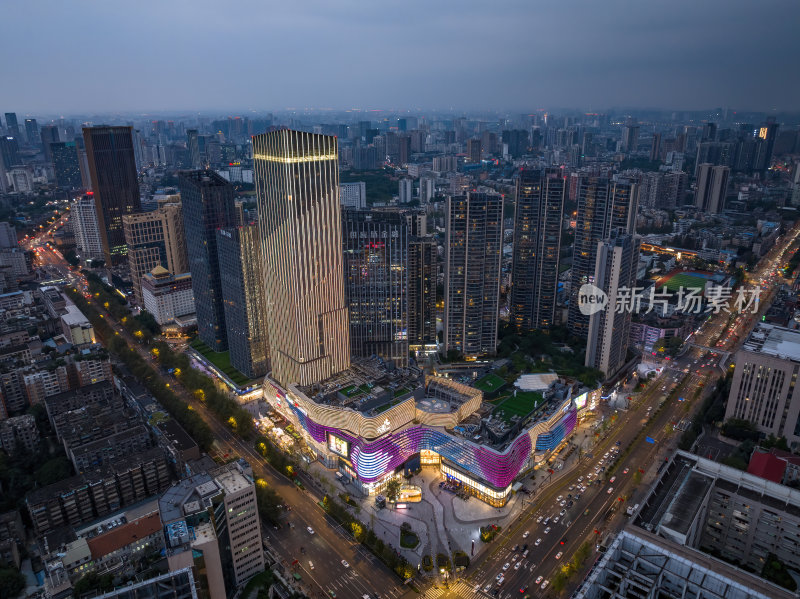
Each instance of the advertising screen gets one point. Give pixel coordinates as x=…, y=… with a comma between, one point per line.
x=338, y=446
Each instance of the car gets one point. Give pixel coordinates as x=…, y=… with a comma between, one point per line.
x=546, y=521
x=559, y=498
x=571, y=503
x=501, y=580
x=571, y=488
x=515, y=558
x=310, y=530
x=525, y=553
x=547, y=530
x=562, y=512
x=310, y=565
x=544, y=584
x=539, y=519
x=525, y=534
x=612, y=479
x=487, y=588
x=610, y=490
x=498, y=577
x=563, y=541
x=332, y=594
x=555, y=520
x=578, y=496
x=619, y=443
x=626, y=471
x=538, y=542
x=580, y=479
x=345, y=564
x=525, y=546
x=506, y=566
x=517, y=565
x=605, y=455
x=559, y=554
x=539, y=580
x=563, y=502
x=523, y=589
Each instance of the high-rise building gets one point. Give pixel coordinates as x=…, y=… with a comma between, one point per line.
x=85, y=228
x=49, y=135
x=765, y=138
x=9, y=151
x=193, y=146
x=12, y=126
x=406, y=190
x=539, y=201
x=64, y=155
x=8, y=236
x=376, y=284
x=474, y=151
x=242, y=278
x=609, y=329
x=655, y=147
x=155, y=238
x=115, y=184
x=473, y=249
x=404, y=149
x=208, y=205
x=712, y=187
x=297, y=187
x=603, y=206
x=422, y=271
x=763, y=390
x=353, y=195
x=630, y=137
x=32, y=132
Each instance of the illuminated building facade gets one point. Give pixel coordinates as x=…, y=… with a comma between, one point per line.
x=297, y=189
x=371, y=447
x=537, y=243
x=376, y=284
x=603, y=205
x=115, y=183
x=473, y=248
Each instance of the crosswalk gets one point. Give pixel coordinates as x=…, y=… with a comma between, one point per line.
x=433, y=593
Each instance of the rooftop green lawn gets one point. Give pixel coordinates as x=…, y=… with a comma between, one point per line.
x=685, y=280
x=489, y=383
x=221, y=360
x=520, y=405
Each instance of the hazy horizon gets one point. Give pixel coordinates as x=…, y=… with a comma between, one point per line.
x=90, y=58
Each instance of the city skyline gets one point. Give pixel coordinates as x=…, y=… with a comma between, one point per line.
x=666, y=59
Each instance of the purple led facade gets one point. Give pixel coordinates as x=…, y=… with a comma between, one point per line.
x=372, y=460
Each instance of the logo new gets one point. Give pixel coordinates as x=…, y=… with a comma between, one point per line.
x=591, y=299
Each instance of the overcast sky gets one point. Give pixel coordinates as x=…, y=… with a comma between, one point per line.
x=79, y=56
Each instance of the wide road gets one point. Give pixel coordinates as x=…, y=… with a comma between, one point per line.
x=327, y=547
x=696, y=368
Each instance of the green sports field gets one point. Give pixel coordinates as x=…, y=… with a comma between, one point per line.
x=520, y=405
x=687, y=280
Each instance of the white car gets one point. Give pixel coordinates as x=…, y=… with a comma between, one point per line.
x=525, y=534
x=506, y=566
x=559, y=498
x=580, y=479
x=559, y=554
x=517, y=565
x=310, y=565
x=345, y=564
x=538, y=542
x=563, y=502
x=547, y=530
x=544, y=584
x=555, y=521
x=310, y=530
x=539, y=519
x=610, y=490
x=515, y=558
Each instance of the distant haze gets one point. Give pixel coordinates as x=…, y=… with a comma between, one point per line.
x=89, y=55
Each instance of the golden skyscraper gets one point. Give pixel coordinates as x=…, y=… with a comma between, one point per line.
x=297, y=187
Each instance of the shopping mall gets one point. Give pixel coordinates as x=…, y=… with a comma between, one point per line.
x=371, y=423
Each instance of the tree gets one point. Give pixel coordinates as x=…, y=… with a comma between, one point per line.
x=11, y=583
x=393, y=489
